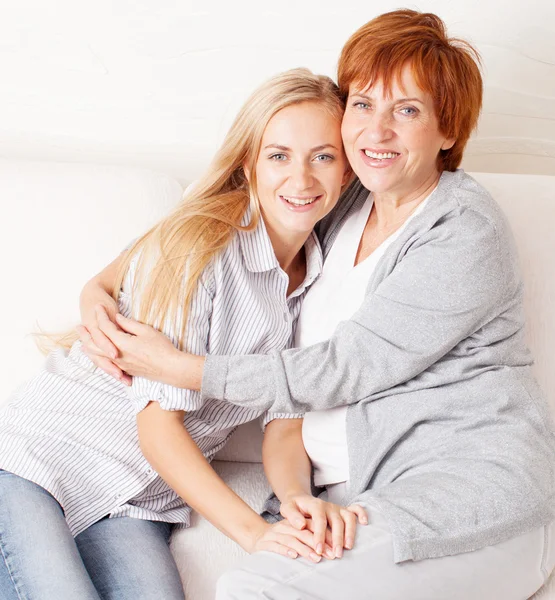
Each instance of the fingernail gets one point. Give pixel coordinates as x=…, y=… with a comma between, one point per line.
x=319, y=548
x=329, y=553
x=348, y=543
x=299, y=523
x=338, y=552
x=315, y=558
x=364, y=521
x=292, y=553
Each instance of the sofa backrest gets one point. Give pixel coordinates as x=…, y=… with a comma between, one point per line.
x=63, y=222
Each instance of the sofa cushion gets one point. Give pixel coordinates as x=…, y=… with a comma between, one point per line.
x=62, y=223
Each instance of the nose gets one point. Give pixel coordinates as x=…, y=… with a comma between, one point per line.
x=379, y=127
x=301, y=176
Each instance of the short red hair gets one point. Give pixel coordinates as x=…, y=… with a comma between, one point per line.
x=446, y=68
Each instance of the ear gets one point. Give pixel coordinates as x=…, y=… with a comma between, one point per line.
x=448, y=144
x=347, y=176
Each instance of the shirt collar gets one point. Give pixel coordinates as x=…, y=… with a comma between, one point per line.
x=257, y=249
x=259, y=256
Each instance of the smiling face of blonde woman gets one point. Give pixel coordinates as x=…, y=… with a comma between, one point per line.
x=300, y=168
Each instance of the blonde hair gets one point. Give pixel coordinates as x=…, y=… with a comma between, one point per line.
x=174, y=253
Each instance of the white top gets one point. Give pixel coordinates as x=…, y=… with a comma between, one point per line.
x=72, y=428
x=335, y=297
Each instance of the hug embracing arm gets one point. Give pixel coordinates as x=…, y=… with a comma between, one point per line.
x=448, y=282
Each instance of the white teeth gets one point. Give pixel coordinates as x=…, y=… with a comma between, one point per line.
x=299, y=201
x=380, y=155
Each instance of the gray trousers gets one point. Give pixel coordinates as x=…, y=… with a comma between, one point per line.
x=512, y=570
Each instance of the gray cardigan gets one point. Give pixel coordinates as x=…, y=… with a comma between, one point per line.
x=447, y=430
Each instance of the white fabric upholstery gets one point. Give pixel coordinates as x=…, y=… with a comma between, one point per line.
x=64, y=222
x=61, y=224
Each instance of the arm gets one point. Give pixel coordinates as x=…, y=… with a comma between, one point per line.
x=288, y=470
x=285, y=460
x=172, y=452
x=452, y=281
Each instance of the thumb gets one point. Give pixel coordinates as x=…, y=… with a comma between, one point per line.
x=290, y=512
x=129, y=325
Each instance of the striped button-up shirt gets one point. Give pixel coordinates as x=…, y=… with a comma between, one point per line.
x=72, y=428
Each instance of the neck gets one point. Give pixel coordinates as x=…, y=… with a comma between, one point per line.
x=391, y=206
x=287, y=248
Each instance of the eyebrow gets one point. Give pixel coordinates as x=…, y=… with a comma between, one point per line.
x=286, y=149
x=396, y=101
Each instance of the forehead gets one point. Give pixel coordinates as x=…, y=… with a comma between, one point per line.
x=306, y=119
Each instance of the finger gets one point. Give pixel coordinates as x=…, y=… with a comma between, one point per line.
x=83, y=333
x=126, y=379
x=319, y=526
x=337, y=527
x=360, y=512
x=130, y=325
x=103, y=343
x=350, y=520
x=273, y=546
x=108, y=328
x=91, y=350
x=290, y=511
x=294, y=543
x=328, y=551
x=108, y=367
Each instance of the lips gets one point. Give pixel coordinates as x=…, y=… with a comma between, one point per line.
x=383, y=154
x=299, y=201
x=381, y=159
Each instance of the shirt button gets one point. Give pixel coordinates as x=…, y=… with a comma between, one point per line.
x=149, y=471
x=117, y=496
x=285, y=316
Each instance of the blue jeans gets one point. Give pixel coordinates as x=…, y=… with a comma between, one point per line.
x=114, y=559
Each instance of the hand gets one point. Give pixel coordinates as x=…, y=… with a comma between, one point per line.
x=282, y=538
x=326, y=520
x=142, y=351
x=97, y=346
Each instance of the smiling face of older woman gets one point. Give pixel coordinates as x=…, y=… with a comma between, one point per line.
x=392, y=137
x=413, y=94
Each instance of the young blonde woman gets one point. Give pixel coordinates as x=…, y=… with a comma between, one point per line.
x=94, y=473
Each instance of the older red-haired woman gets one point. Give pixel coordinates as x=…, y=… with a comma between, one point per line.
x=412, y=369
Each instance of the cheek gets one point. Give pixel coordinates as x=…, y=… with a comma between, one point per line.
x=269, y=177
x=348, y=130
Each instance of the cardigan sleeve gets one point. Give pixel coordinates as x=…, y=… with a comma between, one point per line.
x=452, y=281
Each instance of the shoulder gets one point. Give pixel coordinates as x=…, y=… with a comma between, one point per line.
x=461, y=192
x=463, y=209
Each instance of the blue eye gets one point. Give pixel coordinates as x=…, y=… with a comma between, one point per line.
x=361, y=105
x=278, y=157
x=409, y=111
x=324, y=157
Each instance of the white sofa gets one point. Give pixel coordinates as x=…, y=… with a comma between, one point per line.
x=63, y=222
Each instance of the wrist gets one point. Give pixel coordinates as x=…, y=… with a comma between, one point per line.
x=292, y=494
x=188, y=369
x=248, y=538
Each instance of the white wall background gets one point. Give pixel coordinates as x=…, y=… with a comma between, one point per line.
x=157, y=82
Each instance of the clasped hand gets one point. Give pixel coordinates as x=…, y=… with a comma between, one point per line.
x=123, y=348
x=312, y=528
